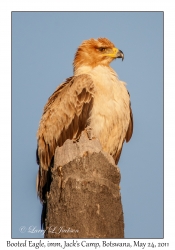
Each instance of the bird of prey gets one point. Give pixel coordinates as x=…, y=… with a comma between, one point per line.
x=93, y=97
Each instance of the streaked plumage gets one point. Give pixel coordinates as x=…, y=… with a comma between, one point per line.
x=93, y=96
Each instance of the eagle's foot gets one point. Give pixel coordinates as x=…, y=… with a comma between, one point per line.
x=76, y=139
x=89, y=133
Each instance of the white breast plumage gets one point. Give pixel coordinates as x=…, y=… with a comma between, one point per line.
x=110, y=114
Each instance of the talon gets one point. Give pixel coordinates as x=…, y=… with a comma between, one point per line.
x=89, y=133
x=75, y=140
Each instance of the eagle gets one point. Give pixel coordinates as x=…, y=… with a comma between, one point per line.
x=94, y=98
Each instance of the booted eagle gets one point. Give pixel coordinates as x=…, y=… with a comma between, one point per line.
x=93, y=97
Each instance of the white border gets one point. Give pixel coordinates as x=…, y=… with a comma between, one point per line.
x=169, y=96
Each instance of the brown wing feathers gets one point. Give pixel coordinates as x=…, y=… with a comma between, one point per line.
x=130, y=128
x=65, y=116
x=127, y=137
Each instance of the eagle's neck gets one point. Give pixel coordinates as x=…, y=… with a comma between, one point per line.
x=92, y=70
x=82, y=70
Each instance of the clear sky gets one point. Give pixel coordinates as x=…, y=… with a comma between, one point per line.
x=43, y=48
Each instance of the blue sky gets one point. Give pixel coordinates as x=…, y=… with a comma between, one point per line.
x=43, y=48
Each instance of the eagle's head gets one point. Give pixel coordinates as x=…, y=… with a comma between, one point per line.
x=95, y=52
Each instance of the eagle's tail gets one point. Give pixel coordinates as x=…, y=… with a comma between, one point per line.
x=44, y=179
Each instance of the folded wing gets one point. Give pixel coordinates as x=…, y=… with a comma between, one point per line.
x=65, y=116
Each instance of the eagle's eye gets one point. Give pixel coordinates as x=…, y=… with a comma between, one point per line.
x=102, y=49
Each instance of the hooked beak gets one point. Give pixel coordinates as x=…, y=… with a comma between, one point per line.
x=117, y=53
x=120, y=54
